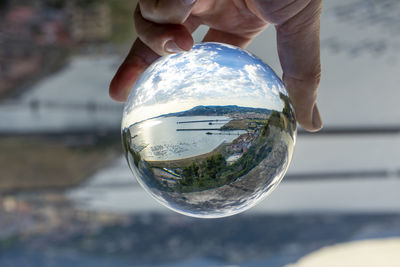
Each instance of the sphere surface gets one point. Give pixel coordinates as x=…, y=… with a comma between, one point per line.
x=209, y=132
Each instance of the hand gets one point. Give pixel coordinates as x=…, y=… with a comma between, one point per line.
x=165, y=26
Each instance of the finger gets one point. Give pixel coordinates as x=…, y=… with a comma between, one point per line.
x=138, y=59
x=299, y=54
x=162, y=38
x=166, y=11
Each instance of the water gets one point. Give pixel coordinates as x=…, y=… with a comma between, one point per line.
x=73, y=99
x=169, y=139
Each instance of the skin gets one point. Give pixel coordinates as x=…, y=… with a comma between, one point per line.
x=165, y=26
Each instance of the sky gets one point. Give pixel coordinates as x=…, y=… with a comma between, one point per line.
x=209, y=74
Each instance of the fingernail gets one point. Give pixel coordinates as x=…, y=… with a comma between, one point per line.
x=172, y=47
x=316, y=118
x=188, y=2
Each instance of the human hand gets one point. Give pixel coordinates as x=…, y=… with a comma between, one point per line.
x=165, y=26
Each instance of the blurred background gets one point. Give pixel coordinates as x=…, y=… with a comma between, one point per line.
x=67, y=197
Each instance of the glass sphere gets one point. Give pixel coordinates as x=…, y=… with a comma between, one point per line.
x=209, y=132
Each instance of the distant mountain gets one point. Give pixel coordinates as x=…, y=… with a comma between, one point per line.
x=217, y=111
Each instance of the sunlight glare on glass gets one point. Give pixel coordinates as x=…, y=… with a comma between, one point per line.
x=149, y=124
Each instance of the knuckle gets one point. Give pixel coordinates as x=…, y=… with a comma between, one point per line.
x=305, y=19
x=149, y=9
x=161, y=12
x=307, y=82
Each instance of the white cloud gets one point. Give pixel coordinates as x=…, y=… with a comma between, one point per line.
x=204, y=76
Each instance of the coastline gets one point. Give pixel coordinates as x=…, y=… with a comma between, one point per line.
x=185, y=161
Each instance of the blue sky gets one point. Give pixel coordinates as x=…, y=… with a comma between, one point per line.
x=209, y=74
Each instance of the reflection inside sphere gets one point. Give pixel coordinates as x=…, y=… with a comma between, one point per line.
x=209, y=132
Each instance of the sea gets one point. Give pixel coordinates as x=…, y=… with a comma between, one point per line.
x=172, y=138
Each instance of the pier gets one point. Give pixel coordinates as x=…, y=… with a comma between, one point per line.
x=199, y=129
x=181, y=122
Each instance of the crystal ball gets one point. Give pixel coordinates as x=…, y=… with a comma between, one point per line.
x=209, y=132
